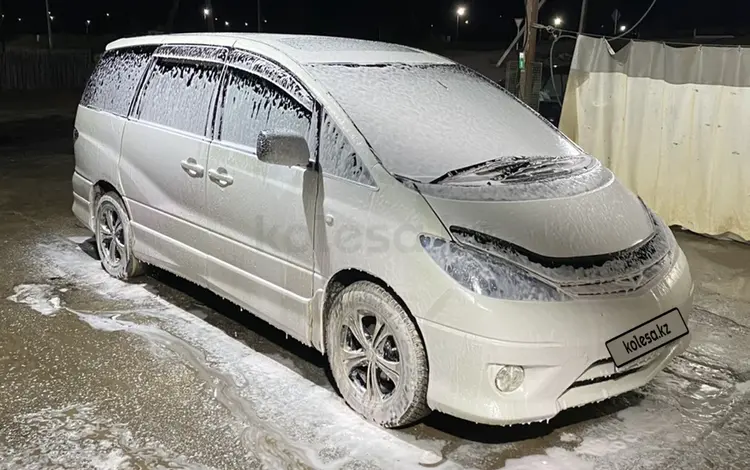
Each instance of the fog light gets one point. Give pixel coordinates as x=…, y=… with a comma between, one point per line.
x=509, y=378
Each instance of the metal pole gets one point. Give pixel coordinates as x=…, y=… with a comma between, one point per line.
x=458, y=18
x=616, y=17
x=532, y=17
x=49, y=24
x=582, y=23
x=210, y=16
x=2, y=30
x=260, y=21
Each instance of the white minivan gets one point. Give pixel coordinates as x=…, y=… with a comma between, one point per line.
x=443, y=245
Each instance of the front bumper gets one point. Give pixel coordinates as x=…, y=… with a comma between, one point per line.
x=560, y=345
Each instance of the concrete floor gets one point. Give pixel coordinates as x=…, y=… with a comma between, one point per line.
x=99, y=374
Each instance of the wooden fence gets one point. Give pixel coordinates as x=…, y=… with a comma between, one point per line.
x=28, y=69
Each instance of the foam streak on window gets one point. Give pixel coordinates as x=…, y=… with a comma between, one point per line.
x=337, y=156
x=179, y=95
x=252, y=105
x=113, y=84
x=273, y=73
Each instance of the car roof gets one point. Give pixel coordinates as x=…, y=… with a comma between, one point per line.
x=302, y=49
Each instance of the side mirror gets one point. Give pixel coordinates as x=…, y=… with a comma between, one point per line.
x=283, y=148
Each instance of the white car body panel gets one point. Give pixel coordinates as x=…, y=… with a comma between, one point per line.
x=169, y=220
x=559, y=344
x=99, y=137
x=579, y=225
x=261, y=251
x=385, y=223
x=207, y=234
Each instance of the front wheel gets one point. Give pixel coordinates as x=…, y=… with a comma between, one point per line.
x=377, y=357
x=114, y=239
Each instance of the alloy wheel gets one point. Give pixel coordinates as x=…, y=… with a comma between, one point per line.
x=112, y=236
x=370, y=356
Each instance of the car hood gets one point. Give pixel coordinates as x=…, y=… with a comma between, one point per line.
x=587, y=214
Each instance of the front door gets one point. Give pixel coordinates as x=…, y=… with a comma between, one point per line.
x=163, y=165
x=261, y=215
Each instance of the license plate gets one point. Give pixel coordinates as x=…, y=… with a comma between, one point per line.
x=647, y=337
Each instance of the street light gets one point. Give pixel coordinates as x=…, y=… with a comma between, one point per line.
x=460, y=11
x=623, y=28
x=557, y=21
x=206, y=12
x=226, y=23
x=88, y=23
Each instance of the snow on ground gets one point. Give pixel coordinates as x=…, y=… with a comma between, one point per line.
x=669, y=418
x=37, y=296
x=554, y=459
x=312, y=424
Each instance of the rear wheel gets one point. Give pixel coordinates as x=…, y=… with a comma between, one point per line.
x=114, y=239
x=377, y=357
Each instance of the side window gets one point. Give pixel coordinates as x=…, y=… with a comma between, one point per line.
x=113, y=83
x=337, y=156
x=179, y=94
x=252, y=104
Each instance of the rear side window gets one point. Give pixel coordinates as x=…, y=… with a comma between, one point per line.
x=252, y=104
x=114, y=82
x=179, y=95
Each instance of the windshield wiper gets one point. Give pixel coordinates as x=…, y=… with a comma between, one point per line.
x=510, y=165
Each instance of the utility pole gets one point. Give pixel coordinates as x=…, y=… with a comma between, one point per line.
x=260, y=20
x=582, y=23
x=49, y=24
x=527, y=75
x=515, y=41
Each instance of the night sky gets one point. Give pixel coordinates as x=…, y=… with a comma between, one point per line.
x=397, y=20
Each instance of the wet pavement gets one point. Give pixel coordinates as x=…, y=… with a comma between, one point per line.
x=96, y=373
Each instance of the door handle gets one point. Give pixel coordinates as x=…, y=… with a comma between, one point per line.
x=192, y=168
x=220, y=177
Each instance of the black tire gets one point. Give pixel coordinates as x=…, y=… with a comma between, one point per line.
x=397, y=351
x=120, y=263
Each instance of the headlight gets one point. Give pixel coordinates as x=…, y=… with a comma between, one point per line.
x=487, y=275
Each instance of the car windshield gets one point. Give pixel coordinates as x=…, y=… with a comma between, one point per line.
x=424, y=121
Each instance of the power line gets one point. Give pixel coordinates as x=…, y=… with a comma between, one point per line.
x=552, y=66
x=637, y=22
x=553, y=29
